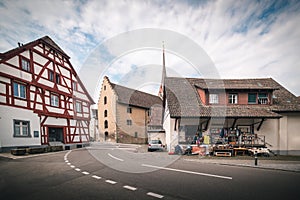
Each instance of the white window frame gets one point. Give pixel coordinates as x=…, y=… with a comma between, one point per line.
x=263, y=100
x=78, y=106
x=21, y=128
x=57, y=78
x=25, y=64
x=51, y=75
x=54, y=100
x=233, y=98
x=74, y=86
x=19, y=90
x=213, y=98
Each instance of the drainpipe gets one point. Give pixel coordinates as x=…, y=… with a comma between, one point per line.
x=278, y=136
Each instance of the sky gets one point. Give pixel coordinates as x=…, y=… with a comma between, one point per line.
x=123, y=39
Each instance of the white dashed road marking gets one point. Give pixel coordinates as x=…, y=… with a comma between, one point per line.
x=188, y=172
x=96, y=177
x=129, y=188
x=155, y=195
x=77, y=169
x=114, y=182
x=119, y=159
x=110, y=182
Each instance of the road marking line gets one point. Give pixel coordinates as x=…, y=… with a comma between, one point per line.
x=96, y=177
x=155, y=195
x=129, y=188
x=68, y=163
x=119, y=159
x=188, y=172
x=66, y=155
x=77, y=169
x=111, y=182
x=86, y=173
x=72, y=166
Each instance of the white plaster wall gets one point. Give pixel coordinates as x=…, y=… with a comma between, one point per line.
x=293, y=135
x=7, y=115
x=283, y=133
x=269, y=129
x=56, y=121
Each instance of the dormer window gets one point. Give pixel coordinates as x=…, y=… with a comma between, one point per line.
x=263, y=98
x=213, y=98
x=233, y=98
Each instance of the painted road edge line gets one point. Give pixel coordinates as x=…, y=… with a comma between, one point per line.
x=129, y=188
x=155, y=195
x=119, y=159
x=85, y=173
x=188, y=172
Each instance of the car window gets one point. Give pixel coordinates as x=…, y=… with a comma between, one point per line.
x=155, y=142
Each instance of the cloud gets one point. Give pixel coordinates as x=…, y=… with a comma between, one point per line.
x=243, y=38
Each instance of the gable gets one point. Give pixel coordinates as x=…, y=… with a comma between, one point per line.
x=49, y=67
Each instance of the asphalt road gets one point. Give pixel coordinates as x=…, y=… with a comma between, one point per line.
x=117, y=172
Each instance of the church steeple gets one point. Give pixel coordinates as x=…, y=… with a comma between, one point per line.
x=164, y=74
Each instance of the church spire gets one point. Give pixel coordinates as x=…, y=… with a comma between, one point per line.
x=164, y=74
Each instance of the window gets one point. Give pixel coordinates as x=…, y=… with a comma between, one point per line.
x=129, y=110
x=104, y=87
x=57, y=78
x=263, y=98
x=105, y=124
x=233, y=99
x=136, y=134
x=54, y=100
x=25, y=64
x=129, y=122
x=213, y=98
x=19, y=90
x=252, y=98
x=78, y=107
x=21, y=128
x=149, y=113
x=51, y=75
x=105, y=113
x=74, y=86
x=105, y=100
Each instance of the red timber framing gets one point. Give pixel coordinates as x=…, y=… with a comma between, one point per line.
x=48, y=77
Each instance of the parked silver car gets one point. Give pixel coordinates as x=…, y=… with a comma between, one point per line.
x=154, y=145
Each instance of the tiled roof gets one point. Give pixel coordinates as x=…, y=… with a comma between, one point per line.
x=134, y=97
x=45, y=39
x=183, y=99
x=262, y=83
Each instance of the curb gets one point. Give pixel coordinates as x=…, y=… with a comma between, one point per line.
x=245, y=165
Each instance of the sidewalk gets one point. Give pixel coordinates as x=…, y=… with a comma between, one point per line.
x=284, y=163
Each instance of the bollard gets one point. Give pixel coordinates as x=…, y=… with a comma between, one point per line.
x=255, y=158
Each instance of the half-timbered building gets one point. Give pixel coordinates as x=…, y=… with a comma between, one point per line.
x=42, y=99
